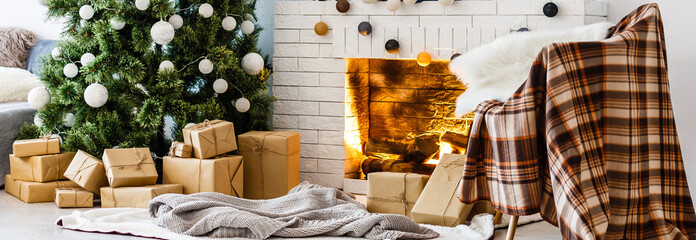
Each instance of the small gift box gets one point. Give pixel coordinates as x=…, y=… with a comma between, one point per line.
x=34, y=192
x=34, y=147
x=129, y=167
x=179, y=149
x=271, y=163
x=224, y=174
x=42, y=168
x=390, y=192
x=73, y=198
x=136, y=197
x=87, y=171
x=210, y=138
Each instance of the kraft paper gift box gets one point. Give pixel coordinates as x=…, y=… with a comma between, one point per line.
x=74, y=197
x=87, y=171
x=390, y=192
x=210, y=138
x=42, y=168
x=271, y=163
x=129, y=167
x=135, y=197
x=179, y=149
x=34, y=192
x=34, y=147
x=438, y=203
x=224, y=174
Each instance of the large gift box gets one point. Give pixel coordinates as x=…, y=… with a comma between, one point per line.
x=74, y=197
x=34, y=192
x=390, y=192
x=224, y=174
x=87, y=171
x=42, y=168
x=211, y=138
x=129, y=167
x=271, y=163
x=136, y=197
x=34, y=147
x=438, y=203
x=179, y=149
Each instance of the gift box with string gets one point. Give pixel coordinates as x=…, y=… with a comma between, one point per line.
x=223, y=174
x=129, y=167
x=41, y=168
x=34, y=147
x=391, y=192
x=271, y=163
x=87, y=171
x=210, y=138
x=74, y=197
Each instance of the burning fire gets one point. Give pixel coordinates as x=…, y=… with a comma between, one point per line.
x=444, y=148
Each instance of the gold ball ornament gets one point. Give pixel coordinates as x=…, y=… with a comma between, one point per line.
x=342, y=6
x=424, y=59
x=321, y=28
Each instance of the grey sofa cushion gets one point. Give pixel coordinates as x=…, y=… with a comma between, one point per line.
x=40, y=49
x=12, y=116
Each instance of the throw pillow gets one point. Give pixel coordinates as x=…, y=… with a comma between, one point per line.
x=16, y=84
x=14, y=46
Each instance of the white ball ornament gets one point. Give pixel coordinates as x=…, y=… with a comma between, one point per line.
x=96, y=95
x=252, y=63
x=86, y=12
x=69, y=119
x=87, y=58
x=38, y=97
x=117, y=23
x=188, y=125
x=142, y=5
x=249, y=17
x=220, y=86
x=55, y=53
x=70, y=70
x=410, y=2
x=166, y=65
x=205, y=66
x=38, y=121
x=83, y=23
x=162, y=32
x=393, y=5
x=228, y=23
x=446, y=3
x=176, y=21
x=206, y=10
x=242, y=105
x=247, y=27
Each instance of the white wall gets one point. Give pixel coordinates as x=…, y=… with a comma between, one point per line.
x=28, y=14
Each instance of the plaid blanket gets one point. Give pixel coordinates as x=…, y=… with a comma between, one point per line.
x=588, y=141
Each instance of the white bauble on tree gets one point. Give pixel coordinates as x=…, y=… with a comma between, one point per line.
x=86, y=12
x=176, y=21
x=249, y=17
x=142, y=5
x=205, y=10
x=70, y=70
x=220, y=85
x=69, y=119
x=117, y=23
x=96, y=95
x=242, y=104
x=55, y=53
x=188, y=125
x=162, y=32
x=229, y=23
x=166, y=65
x=87, y=58
x=38, y=121
x=205, y=66
x=247, y=27
x=252, y=63
x=38, y=97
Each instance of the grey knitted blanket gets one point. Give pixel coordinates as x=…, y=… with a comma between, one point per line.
x=307, y=210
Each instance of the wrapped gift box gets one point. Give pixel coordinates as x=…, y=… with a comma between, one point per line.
x=389, y=192
x=74, y=197
x=35, y=192
x=42, y=168
x=87, y=171
x=438, y=203
x=129, y=167
x=271, y=163
x=136, y=197
x=224, y=174
x=35, y=147
x=179, y=149
x=210, y=138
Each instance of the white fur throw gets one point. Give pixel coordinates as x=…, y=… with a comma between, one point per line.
x=496, y=70
x=14, y=46
x=16, y=84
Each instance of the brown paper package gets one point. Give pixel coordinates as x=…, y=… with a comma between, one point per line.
x=35, y=147
x=129, y=167
x=74, y=197
x=179, y=149
x=42, y=168
x=87, y=171
x=271, y=163
x=438, y=203
x=136, y=197
x=389, y=192
x=224, y=174
x=34, y=192
x=210, y=138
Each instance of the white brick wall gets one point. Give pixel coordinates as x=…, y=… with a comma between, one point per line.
x=309, y=70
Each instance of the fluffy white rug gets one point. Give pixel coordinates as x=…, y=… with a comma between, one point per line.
x=137, y=222
x=16, y=84
x=496, y=70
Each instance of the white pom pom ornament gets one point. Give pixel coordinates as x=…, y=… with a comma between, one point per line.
x=69, y=119
x=228, y=23
x=220, y=86
x=87, y=58
x=70, y=70
x=38, y=121
x=117, y=23
x=252, y=63
x=55, y=53
x=86, y=12
x=176, y=21
x=446, y=3
x=247, y=27
x=249, y=17
x=393, y=5
x=38, y=97
x=205, y=66
x=166, y=65
x=242, y=105
x=206, y=10
x=142, y=4
x=96, y=95
x=162, y=32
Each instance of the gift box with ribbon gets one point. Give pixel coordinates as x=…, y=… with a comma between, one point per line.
x=74, y=197
x=135, y=197
x=224, y=174
x=129, y=167
x=34, y=147
x=179, y=149
x=390, y=192
x=210, y=138
x=87, y=171
x=34, y=192
x=271, y=163
x=42, y=168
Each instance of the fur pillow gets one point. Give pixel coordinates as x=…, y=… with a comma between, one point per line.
x=14, y=46
x=16, y=84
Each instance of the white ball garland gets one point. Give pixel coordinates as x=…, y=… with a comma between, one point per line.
x=249, y=17
x=86, y=12
x=229, y=23
x=38, y=97
x=205, y=66
x=38, y=121
x=166, y=65
x=446, y=3
x=162, y=32
x=142, y=5
x=96, y=95
x=252, y=63
x=117, y=23
x=176, y=21
x=69, y=119
x=70, y=70
x=55, y=53
x=247, y=27
x=393, y=5
x=242, y=105
x=220, y=85
x=87, y=58
x=206, y=10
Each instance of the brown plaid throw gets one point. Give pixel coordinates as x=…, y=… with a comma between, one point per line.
x=588, y=141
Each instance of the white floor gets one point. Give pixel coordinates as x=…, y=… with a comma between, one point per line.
x=19, y=220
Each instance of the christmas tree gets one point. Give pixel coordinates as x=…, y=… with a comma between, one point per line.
x=134, y=73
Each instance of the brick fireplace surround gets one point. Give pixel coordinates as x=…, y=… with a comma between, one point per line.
x=310, y=80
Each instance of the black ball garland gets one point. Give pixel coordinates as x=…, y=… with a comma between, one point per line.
x=392, y=46
x=523, y=29
x=550, y=9
x=365, y=28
